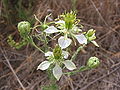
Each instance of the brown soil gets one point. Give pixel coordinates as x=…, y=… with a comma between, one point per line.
x=102, y=15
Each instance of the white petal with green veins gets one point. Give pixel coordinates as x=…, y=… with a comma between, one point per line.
x=57, y=72
x=60, y=22
x=49, y=53
x=95, y=43
x=51, y=29
x=81, y=39
x=69, y=65
x=44, y=65
x=65, y=54
x=64, y=42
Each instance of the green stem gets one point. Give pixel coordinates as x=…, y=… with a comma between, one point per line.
x=82, y=68
x=37, y=47
x=77, y=51
x=46, y=42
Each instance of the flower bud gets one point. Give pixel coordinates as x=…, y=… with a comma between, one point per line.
x=93, y=62
x=24, y=28
x=90, y=35
x=44, y=26
x=57, y=52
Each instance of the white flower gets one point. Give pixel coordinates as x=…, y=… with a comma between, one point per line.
x=64, y=41
x=57, y=70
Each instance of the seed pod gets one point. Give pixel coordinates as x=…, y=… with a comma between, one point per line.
x=93, y=62
x=24, y=28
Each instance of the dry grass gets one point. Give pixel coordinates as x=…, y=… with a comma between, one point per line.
x=102, y=15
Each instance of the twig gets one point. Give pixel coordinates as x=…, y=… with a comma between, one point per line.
x=102, y=17
x=99, y=79
x=13, y=70
x=111, y=83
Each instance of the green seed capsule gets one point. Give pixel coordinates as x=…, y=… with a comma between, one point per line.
x=24, y=28
x=93, y=62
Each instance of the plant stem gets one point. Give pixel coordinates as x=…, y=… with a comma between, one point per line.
x=37, y=47
x=82, y=68
x=77, y=51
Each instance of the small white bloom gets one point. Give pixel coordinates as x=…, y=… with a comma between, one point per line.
x=44, y=65
x=81, y=39
x=64, y=42
x=49, y=53
x=57, y=71
x=69, y=65
x=51, y=30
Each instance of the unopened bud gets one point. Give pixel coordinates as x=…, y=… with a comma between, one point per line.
x=93, y=62
x=24, y=28
x=90, y=35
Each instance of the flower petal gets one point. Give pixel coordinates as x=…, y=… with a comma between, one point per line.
x=69, y=65
x=65, y=54
x=49, y=53
x=57, y=72
x=95, y=43
x=60, y=22
x=51, y=29
x=81, y=39
x=44, y=65
x=64, y=42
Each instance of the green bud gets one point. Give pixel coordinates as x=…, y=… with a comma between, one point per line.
x=57, y=52
x=24, y=28
x=90, y=35
x=10, y=41
x=93, y=62
x=44, y=26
